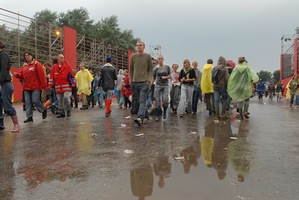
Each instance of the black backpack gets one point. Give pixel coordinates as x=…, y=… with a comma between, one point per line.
x=216, y=73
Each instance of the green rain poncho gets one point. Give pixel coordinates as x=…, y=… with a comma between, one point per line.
x=239, y=85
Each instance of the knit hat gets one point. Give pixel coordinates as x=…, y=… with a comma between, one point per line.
x=108, y=59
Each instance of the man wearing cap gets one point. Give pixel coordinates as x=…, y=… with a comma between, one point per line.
x=141, y=74
x=109, y=76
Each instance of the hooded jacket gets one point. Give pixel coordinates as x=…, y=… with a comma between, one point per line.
x=239, y=85
x=206, y=79
x=223, y=73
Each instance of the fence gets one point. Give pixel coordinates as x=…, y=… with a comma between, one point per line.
x=21, y=33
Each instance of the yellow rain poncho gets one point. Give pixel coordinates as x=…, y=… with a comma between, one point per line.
x=84, y=79
x=206, y=84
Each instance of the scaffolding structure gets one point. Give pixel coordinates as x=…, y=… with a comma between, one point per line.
x=21, y=33
x=289, y=55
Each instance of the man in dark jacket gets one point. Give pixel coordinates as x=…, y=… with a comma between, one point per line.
x=109, y=76
x=6, y=90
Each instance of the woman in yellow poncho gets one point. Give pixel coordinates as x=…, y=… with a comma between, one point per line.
x=206, y=84
x=84, y=79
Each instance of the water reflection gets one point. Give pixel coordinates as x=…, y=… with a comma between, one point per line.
x=6, y=165
x=141, y=173
x=191, y=154
x=47, y=158
x=240, y=153
x=222, y=133
x=220, y=146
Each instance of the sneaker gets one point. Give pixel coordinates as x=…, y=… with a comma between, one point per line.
x=233, y=138
x=246, y=115
x=61, y=115
x=225, y=117
x=181, y=115
x=158, y=118
x=53, y=110
x=29, y=119
x=138, y=121
x=68, y=113
x=108, y=113
x=84, y=108
x=216, y=119
x=44, y=113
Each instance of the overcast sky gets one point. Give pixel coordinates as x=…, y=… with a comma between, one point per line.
x=193, y=29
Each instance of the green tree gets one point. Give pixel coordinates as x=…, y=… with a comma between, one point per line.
x=276, y=76
x=107, y=30
x=77, y=19
x=265, y=75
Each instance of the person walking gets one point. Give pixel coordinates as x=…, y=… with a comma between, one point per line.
x=175, y=91
x=83, y=81
x=141, y=73
x=220, y=93
x=119, y=84
x=239, y=85
x=98, y=92
x=161, y=75
x=197, y=91
x=126, y=90
x=292, y=89
x=187, y=78
x=109, y=76
x=62, y=78
x=206, y=85
x=34, y=80
x=7, y=90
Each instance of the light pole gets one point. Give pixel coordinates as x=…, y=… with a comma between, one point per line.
x=155, y=50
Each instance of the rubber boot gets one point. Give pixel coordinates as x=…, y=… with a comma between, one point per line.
x=61, y=114
x=2, y=124
x=47, y=104
x=158, y=114
x=16, y=126
x=108, y=105
x=164, y=112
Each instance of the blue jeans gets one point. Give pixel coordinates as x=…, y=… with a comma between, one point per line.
x=7, y=89
x=1, y=112
x=141, y=91
x=120, y=98
x=220, y=92
x=196, y=96
x=64, y=100
x=32, y=97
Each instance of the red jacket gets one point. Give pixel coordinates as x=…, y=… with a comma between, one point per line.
x=126, y=88
x=59, y=77
x=33, y=75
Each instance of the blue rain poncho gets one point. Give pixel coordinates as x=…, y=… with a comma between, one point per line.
x=239, y=85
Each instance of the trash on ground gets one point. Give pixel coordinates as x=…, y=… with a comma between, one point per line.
x=179, y=158
x=128, y=151
x=123, y=125
x=128, y=117
x=94, y=134
x=141, y=134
